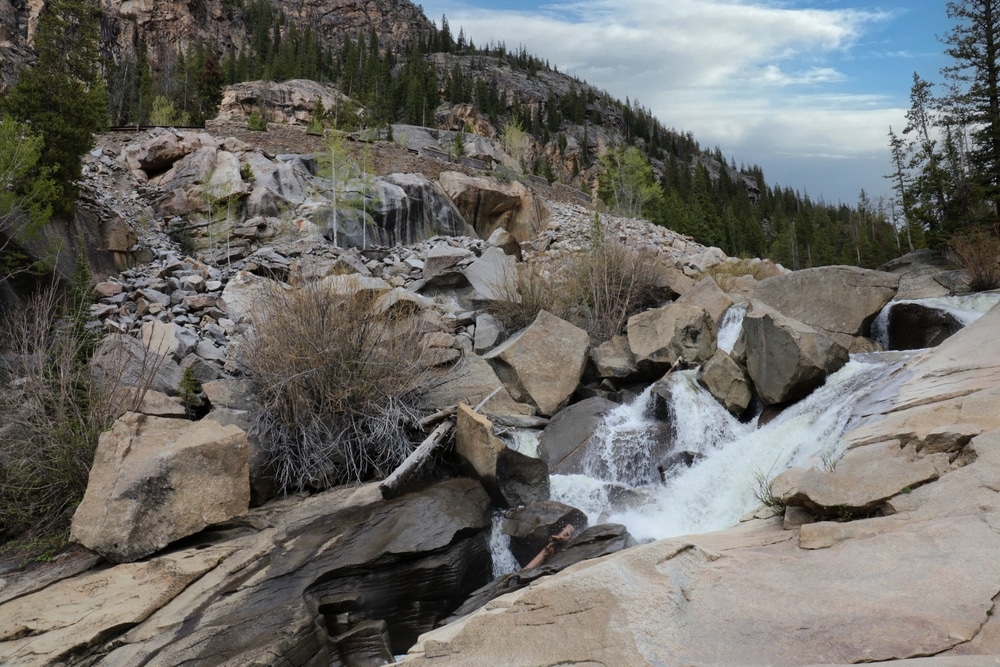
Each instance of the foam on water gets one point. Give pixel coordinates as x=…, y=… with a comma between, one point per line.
x=719, y=487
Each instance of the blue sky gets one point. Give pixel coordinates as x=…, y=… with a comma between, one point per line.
x=807, y=89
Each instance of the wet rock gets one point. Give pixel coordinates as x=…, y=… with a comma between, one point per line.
x=913, y=326
x=563, y=443
x=787, y=359
x=531, y=527
x=521, y=479
x=157, y=480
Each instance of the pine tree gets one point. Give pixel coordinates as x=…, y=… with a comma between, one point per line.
x=63, y=95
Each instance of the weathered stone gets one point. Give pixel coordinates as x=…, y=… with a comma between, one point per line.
x=157, y=480
x=673, y=281
x=409, y=208
x=786, y=359
x=521, y=479
x=948, y=439
x=489, y=332
x=661, y=336
x=478, y=447
x=501, y=238
x=563, y=443
x=727, y=382
x=838, y=301
x=168, y=340
x=493, y=275
x=614, y=359
x=706, y=293
x=545, y=361
x=488, y=205
x=863, y=480
x=440, y=258
x=123, y=361
x=470, y=382
x=244, y=292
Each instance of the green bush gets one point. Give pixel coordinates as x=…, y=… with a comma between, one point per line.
x=256, y=122
x=337, y=381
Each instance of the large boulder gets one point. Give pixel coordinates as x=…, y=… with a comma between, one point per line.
x=787, y=359
x=614, y=359
x=471, y=381
x=487, y=204
x=838, y=301
x=155, y=481
x=913, y=326
x=661, y=336
x=707, y=294
x=544, y=362
x=493, y=275
x=476, y=445
x=727, y=382
x=563, y=443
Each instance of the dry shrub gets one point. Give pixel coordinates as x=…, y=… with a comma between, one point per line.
x=530, y=290
x=977, y=253
x=599, y=290
x=52, y=412
x=338, y=383
x=616, y=282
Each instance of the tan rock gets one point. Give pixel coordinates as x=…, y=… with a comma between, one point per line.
x=156, y=480
x=614, y=358
x=470, y=382
x=707, y=294
x=52, y=625
x=839, y=301
x=477, y=446
x=487, y=204
x=545, y=361
x=727, y=382
x=661, y=336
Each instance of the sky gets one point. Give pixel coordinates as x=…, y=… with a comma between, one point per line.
x=807, y=89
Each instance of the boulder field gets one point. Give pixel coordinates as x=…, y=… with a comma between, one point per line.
x=889, y=554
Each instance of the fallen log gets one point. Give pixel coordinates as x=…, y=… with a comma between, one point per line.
x=393, y=485
x=555, y=541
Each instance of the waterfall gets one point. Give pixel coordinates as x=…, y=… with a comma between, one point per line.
x=718, y=487
x=503, y=560
x=730, y=327
x=966, y=308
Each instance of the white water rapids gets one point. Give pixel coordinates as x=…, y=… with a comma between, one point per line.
x=623, y=485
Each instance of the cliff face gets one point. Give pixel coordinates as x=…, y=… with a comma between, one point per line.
x=168, y=25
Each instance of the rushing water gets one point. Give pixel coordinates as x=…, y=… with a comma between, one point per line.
x=966, y=308
x=503, y=560
x=719, y=487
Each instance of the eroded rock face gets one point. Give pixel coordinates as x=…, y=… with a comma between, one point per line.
x=838, y=301
x=787, y=359
x=487, y=204
x=156, y=480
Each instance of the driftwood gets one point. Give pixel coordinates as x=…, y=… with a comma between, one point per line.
x=438, y=416
x=392, y=485
x=557, y=540
x=515, y=421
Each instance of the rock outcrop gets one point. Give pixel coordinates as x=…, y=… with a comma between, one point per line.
x=155, y=481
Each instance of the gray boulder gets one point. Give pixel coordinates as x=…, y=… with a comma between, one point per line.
x=156, y=480
x=563, y=443
x=838, y=301
x=914, y=326
x=787, y=359
x=409, y=208
x=531, y=527
x=493, y=275
x=707, y=294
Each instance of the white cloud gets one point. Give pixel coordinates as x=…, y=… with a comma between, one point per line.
x=757, y=78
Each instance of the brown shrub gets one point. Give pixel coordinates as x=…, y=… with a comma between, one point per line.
x=338, y=382
x=977, y=253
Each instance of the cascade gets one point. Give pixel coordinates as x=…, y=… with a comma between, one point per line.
x=719, y=486
x=967, y=308
x=503, y=560
x=730, y=327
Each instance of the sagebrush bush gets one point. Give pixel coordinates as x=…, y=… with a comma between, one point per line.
x=599, y=290
x=52, y=412
x=977, y=253
x=337, y=382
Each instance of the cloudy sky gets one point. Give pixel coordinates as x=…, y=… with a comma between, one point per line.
x=807, y=89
